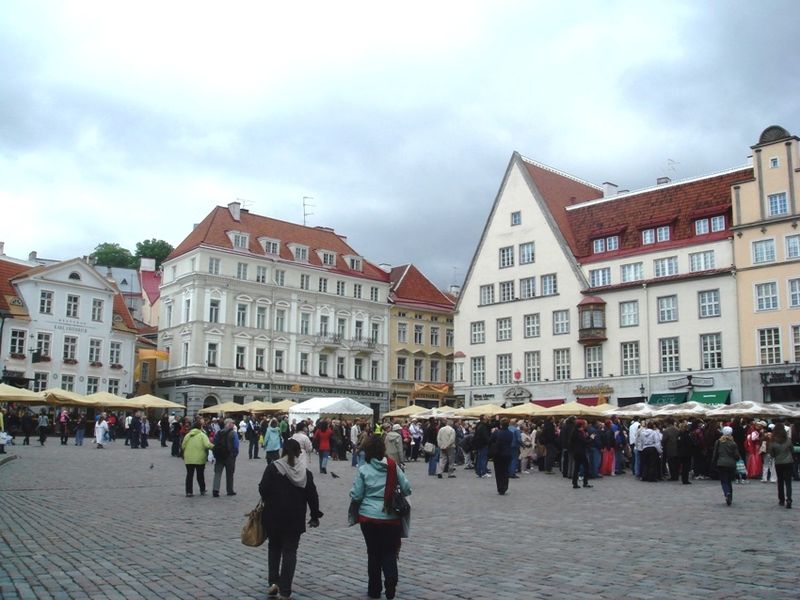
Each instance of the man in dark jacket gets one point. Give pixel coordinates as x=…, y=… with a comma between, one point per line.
x=480, y=442
x=500, y=442
x=578, y=442
x=136, y=430
x=229, y=445
x=683, y=454
x=564, y=436
x=549, y=442
x=251, y=434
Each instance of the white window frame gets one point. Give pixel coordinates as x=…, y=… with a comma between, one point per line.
x=213, y=265
x=702, y=226
x=665, y=267
x=507, y=291
x=768, y=340
x=600, y=277
x=527, y=253
x=766, y=296
x=777, y=204
x=667, y=308
x=708, y=304
x=631, y=358
x=718, y=223
x=562, y=367
x=632, y=272
x=593, y=356
x=561, y=323
x=532, y=326
x=477, y=332
x=648, y=236
x=487, y=294
x=527, y=288
x=793, y=290
x=549, y=284
x=516, y=218
x=533, y=366
x=711, y=351
x=478, y=370
x=792, y=244
x=663, y=233
x=702, y=261
x=763, y=251
x=627, y=317
x=669, y=355
x=504, y=329
x=506, y=257
x=504, y=367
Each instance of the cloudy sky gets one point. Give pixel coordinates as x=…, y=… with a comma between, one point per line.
x=123, y=122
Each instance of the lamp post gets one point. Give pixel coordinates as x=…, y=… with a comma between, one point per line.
x=641, y=393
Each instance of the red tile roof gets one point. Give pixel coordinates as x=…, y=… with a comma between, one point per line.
x=411, y=288
x=214, y=229
x=121, y=310
x=9, y=270
x=150, y=282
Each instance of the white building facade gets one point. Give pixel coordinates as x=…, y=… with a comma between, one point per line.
x=258, y=309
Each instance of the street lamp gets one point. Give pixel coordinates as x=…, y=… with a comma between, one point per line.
x=641, y=392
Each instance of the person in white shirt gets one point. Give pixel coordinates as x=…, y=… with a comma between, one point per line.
x=632, y=431
x=306, y=448
x=355, y=432
x=649, y=441
x=446, y=440
x=100, y=431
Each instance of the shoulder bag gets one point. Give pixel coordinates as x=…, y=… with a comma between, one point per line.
x=253, y=529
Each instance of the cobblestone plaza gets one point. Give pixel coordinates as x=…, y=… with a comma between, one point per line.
x=83, y=523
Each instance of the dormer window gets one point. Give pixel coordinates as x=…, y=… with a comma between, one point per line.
x=300, y=253
x=356, y=263
x=706, y=225
x=239, y=240
x=270, y=246
x=662, y=233
x=328, y=258
x=605, y=244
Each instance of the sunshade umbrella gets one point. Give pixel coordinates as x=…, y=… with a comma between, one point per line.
x=150, y=401
x=748, y=408
x=685, y=409
x=529, y=409
x=478, y=410
x=9, y=393
x=445, y=412
x=257, y=406
x=279, y=407
x=109, y=400
x=641, y=410
x=406, y=411
x=64, y=398
x=225, y=407
x=576, y=409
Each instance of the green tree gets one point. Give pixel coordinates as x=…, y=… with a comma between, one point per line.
x=158, y=249
x=113, y=255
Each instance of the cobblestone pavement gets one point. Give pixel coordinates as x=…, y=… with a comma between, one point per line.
x=76, y=522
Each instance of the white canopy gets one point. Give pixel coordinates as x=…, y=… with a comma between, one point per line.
x=315, y=408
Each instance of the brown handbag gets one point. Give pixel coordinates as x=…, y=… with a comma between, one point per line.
x=253, y=529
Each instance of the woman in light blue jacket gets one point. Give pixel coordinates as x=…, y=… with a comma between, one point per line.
x=381, y=527
x=273, y=441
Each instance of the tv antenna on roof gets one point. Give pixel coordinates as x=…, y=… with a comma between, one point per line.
x=306, y=206
x=245, y=203
x=672, y=165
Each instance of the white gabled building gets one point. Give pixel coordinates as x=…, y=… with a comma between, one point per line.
x=64, y=326
x=257, y=308
x=576, y=292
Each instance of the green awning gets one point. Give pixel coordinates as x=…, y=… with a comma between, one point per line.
x=669, y=398
x=711, y=396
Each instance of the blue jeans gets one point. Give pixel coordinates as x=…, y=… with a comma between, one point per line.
x=594, y=462
x=323, y=459
x=79, y=433
x=433, y=461
x=637, y=464
x=512, y=468
x=726, y=475
x=619, y=466
x=482, y=461
x=354, y=461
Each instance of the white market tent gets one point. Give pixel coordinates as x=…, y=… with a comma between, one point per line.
x=315, y=408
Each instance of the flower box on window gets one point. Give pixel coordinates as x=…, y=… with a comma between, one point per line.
x=96, y=363
x=70, y=361
x=17, y=355
x=116, y=366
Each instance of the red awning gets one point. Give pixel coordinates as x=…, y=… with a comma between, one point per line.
x=592, y=401
x=548, y=402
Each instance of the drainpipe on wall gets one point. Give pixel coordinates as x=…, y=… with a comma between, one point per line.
x=647, y=334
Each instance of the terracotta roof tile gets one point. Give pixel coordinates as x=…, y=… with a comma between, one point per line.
x=411, y=287
x=121, y=309
x=9, y=270
x=151, y=283
x=214, y=229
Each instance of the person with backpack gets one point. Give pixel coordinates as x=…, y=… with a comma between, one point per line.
x=225, y=450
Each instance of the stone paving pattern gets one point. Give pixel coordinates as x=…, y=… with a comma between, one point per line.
x=78, y=523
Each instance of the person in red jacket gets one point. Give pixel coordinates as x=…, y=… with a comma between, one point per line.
x=322, y=442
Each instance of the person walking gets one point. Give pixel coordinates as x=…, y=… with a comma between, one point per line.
x=144, y=432
x=683, y=456
x=516, y=443
x=322, y=441
x=136, y=430
x=578, y=443
x=272, y=441
x=80, y=429
x=446, y=441
x=780, y=449
x=226, y=449
x=195, y=446
x=725, y=455
x=63, y=426
x=163, y=429
x=100, y=431
x=251, y=434
x=372, y=490
x=42, y=426
x=500, y=450
x=286, y=488
x=394, y=444
x=480, y=442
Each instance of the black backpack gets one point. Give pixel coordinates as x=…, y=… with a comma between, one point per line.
x=220, y=450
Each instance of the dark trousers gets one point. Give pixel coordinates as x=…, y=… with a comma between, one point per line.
x=383, y=546
x=415, y=448
x=200, y=470
x=784, y=473
x=550, y=457
x=726, y=475
x=42, y=434
x=578, y=461
x=252, y=449
x=128, y=437
x=501, y=464
x=163, y=437
x=684, y=463
x=136, y=437
x=64, y=434
x=650, y=464
x=673, y=462
x=229, y=465
x=176, y=445
x=143, y=443
x=282, y=549
x=481, y=461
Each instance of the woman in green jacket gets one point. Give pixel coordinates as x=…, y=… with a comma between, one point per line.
x=781, y=451
x=195, y=454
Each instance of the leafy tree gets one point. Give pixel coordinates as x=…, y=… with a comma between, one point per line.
x=158, y=249
x=113, y=255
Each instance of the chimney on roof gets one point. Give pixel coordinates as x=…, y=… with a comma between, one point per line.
x=2, y=248
x=663, y=180
x=32, y=256
x=609, y=189
x=455, y=290
x=235, y=209
x=147, y=264
x=386, y=267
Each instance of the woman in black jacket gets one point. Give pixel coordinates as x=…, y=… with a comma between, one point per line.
x=286, y=488
x=500, y=450
x=578, y=443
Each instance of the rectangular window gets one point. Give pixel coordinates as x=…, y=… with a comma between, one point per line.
x=40, y=381
x=599, y=246
x=72, y=306
x=97, y=309
x=241, y=357
x=305, y=323
x=711, y=350
x=239, y=240
x=213, y=266
x=185, y=354
x=261, y=359
x=213, y=311
x=527, y=253
x=718, y=223
x=93, y=384
x=419, y=366
x=533, y=366
x=632, y=272
x=241, y=315
x=17, y=347
x=503, y=369
x=323, y=365
x=70, y=347
x=527, y=288
x=504, y=329
x=300, y=253
x=279, y=361
x=305, y=281
x=769, y=345
x=261, y=317
x=373, y=294
x=340, y=288
x=600, y=277
x=375, y=333
x=435, y=370
x=561, y=364
x=374, y=370
x=43, y=344
x=629, y=313
x=701, y=261
x=549, y=285
x=630, y=358
x=115, y=353
x=323, y=285
x=594, y=361
x=187, y=310
x=212, y=352
x=280, y=277
x=796, y=342
x=506, y=257
x=68, y=383
x=355, y=263
x=304, y=363
x=662, y=233
x=794, y=293
x=701, y=227
x=46, y=302
x=478, y=370
x=506, y=291
x=667, y=309
x=434, y=336
x=477, y=332
x=763, y=251
x=516, y=218
x=168, y=315
x=777, y=204
x=323, y=325
x=669, y=355
x=560, y=322
x=767, y=296
x=612, y=243
x=261, y=274
x=241, y=270
x=341, y=327
x=708, y=304
x=792, y=246
x=449, y=338
x=328, y=259
x=648, y=236
x=95, y=347
x=487, y=294
x=532, y=325
x=358, y=368
x=402, y=333
x=419, y=334
x=113, y=386
x=280, y=319
x=401, y=367
x=665, y=267
x=357, y=290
